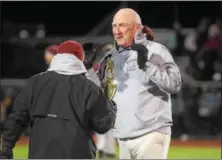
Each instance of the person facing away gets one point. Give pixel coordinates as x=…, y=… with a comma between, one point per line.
x=147, y=75
x=63, y=109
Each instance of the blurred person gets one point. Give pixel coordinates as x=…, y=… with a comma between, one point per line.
x=214, y=40
x=146, y=75
x=178, y=51
x=105, y=142
x=49, y=53
x=190, y=47
x=62, y=107
x=202, y=31
x=215, y=29
x=209, y=103
x=211, y=51
x=190, y=42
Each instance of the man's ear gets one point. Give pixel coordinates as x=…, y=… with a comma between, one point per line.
x=139, y=27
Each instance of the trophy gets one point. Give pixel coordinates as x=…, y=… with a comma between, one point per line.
x=109, y=83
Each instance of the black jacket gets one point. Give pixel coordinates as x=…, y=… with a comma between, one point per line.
x=63, y=111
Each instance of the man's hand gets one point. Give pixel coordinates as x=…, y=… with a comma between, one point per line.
x=90, y=50
x=6, y=154
x=142, y=54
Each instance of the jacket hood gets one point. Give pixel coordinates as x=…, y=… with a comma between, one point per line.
x=67, y=64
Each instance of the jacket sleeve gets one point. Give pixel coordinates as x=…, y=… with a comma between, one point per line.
x=101, y=111
x=18, y=120
x=163, y=71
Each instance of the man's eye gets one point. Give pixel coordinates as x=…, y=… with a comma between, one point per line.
x=123, y=25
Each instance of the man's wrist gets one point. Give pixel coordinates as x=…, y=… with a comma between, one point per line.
x=150, y=69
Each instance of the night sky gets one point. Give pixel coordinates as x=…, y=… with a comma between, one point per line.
x=79, y=17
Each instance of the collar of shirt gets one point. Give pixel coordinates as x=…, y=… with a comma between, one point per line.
x=121, y=49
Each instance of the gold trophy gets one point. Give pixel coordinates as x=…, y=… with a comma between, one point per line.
x=109, y=83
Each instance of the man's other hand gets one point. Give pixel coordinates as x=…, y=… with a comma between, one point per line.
x=142, y=54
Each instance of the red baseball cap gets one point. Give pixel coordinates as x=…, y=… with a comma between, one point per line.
x=72, y=47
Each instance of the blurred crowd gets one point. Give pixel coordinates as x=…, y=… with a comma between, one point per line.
x=198, y=106
x=196, y=109
x=203, y=46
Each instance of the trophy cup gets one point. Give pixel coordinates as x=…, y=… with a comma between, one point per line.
x=109, y=84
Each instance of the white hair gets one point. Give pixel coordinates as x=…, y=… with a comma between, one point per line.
x=138, y=19
x=132, y=12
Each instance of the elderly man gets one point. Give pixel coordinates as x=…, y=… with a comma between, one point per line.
x=147, y=75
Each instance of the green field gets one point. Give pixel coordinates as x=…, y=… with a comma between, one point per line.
x=20, y=152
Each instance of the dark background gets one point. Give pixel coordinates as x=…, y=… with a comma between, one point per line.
x=77, y=18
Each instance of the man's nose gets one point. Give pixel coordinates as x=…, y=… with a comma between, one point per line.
x=118, y=33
